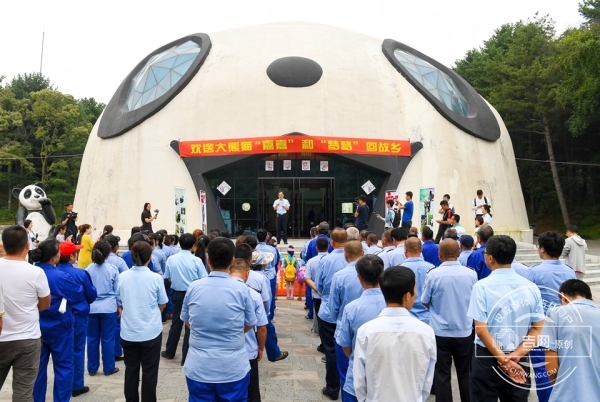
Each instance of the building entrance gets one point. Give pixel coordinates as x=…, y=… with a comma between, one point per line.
x=311, y=201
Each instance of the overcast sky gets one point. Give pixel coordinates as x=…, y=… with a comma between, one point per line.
x=91, y=46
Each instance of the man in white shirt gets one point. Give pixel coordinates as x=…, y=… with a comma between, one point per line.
x=26, y=293
x=395, y=354
x=479, y=202
x=281, y=206
x=455, y=222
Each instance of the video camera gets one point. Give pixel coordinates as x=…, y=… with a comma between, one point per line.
x=72, y=215
x=156, y=211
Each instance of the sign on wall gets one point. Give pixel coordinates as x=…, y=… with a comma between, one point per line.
x=294, y=144
x=180, y=211
x=427, y=206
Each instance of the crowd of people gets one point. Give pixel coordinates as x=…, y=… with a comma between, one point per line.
x=391, y=320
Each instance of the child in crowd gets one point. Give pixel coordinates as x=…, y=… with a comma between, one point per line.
x=290, y=266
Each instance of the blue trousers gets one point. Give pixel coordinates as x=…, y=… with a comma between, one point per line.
x=79, y=338
x=118, y=347
x=61, y=349
x=542, y=382
x=271, y=313
x=235, y=391
x=342, y=362
x=309, y=301
x=271, y=343
x=101, y=328
x=346, y=397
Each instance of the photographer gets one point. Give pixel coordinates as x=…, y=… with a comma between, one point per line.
x=33, y=241
x=362, y=213
x=69, y=219
x=147, y=218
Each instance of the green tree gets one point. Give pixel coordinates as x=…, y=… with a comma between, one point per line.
x=23, y=85
x=513, y=71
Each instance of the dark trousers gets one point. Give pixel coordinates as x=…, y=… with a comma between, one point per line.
x=176, y=326
x=23, y=356
x=488, y=382
x=163, y=314
x=332, y=376
x=147, y=355
x=362, y=227
x=440, y=234
x=316, y=306
x=118, y=348
x=406, y=225
x=281, y=225
x=254, y=387
x=460, y=350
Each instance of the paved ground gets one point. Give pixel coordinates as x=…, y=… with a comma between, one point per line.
x=299, y=378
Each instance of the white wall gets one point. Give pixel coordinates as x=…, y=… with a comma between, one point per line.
x=359, y=95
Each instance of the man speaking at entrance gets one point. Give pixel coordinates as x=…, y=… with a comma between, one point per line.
x=282, y=206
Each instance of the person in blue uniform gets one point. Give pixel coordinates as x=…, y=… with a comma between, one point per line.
x=477, y=259
x=271, y=270
x=322, y=232
x=446, y=293
x=103, y=312
x=356, y=313
x=143, y=296
x=548, y=276
x=81, y=311
x=345, y=287
x=328, y=266
x=508, y=316
x=395, y=257
x=217, y=367
x=414, y=261
x=466, y=247
x=56, y=325
x=114, y=259
x=573, y=339
x=256, y=337
x=430, y=249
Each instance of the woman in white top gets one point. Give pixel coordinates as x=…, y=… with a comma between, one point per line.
x=487, y=218
x=33, y=242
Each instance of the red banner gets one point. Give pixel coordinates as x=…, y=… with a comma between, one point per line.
x=294, y=144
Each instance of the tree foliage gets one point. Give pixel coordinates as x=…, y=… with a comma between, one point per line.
x=43, y=133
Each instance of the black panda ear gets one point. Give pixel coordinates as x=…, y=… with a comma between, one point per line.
x=40, y=185
x=16, y=192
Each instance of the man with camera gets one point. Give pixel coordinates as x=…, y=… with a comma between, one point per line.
x=69, y=219
x=362, y=213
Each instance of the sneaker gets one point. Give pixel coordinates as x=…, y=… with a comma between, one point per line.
x=166, y=356
x=306, y=308
x=80, y=392
x=281, y=356
x=307, y=317
x=327, y=395
x=323, y=359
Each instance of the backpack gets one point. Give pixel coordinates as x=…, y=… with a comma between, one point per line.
x=397, y=218
x=301, y=270
x=290, y=270
x=485, y=201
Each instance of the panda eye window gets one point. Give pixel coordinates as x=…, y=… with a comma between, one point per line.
x=153, y=83
x=39, y=191
x=447, y=91
x=27, y=193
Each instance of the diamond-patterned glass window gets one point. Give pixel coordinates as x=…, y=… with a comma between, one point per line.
x=160, y=73
x=438, y=83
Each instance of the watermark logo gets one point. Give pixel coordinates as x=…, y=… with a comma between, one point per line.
x=509, y=323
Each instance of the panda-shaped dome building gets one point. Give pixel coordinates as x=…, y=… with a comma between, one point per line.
x=209, y=128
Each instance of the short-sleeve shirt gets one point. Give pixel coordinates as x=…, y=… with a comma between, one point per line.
x=408, y=211
x=447, y=290
x=477, y=262
x=258, y=281
x=183, y=268
x=271, y=269
x=501, y=300
x=345, y=287
x=312, y=271
x=140, y=292
x=105, y=278
x=118, y=262
x=312, y=251
x=549, y=275
x=217, y=351
x=328, y=266
x=573, y=331
x=464, y=257
x=393, y=258
x=146, y=225
x=71, y=225
x=280, y=204
x=81, y=276
x=23, y=285
x=261, y=321
x=366, y=308
x=363, y=214
x=420, y=267
x=430, y=252
x=1, y=301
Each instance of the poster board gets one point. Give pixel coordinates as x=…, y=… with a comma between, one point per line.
x=427, y=206
x=180, y=215
x=203, y=216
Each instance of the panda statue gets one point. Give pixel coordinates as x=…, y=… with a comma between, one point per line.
x=36, y=207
